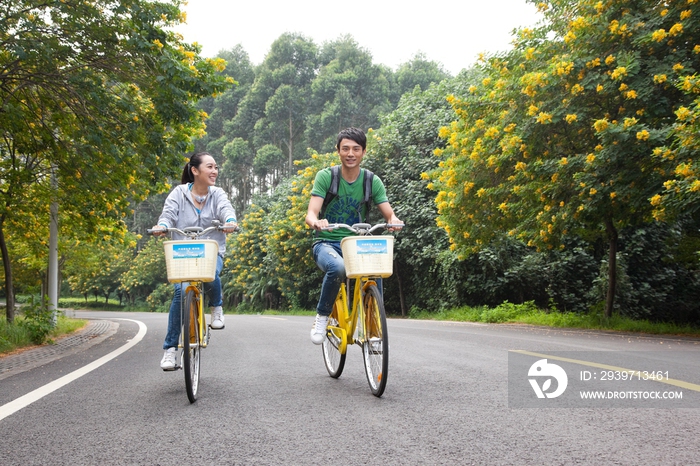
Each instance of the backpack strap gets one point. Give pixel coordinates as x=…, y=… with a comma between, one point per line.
x=332, y=192
x=367, y=196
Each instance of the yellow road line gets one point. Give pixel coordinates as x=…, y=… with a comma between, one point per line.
x=675, y=382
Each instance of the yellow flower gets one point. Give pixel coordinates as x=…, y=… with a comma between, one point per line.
x=503, y=207
x=576, y=89
x=613, y=195
x=685, y=14
x=629, y=122
x=480, y=192
x=696, y=49
x=631, y=94
x=472, y=89
x=664, y=12
x=599, y=88
x=677, y=67
x=544, y=118
x=520, y=166
x=660, y=78
x=590, y=158
x=675, y=29
x=570, y=118
x=658, y=35
x=532, y=110
x=643, y=135
x=619, y=72
x=623, y=87
x=609, y=60
x=529, y=53
x=655, y=199
x=593, y=191
x=563, y=161
x=600, y=125
x=683, y=113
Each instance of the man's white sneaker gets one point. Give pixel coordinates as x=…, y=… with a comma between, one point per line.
x=318, y=332
x=168, y=361
x=217, y=318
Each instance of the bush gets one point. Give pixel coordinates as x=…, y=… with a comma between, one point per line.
x=38, y=321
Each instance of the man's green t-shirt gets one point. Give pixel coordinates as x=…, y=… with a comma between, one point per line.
x=345, y=207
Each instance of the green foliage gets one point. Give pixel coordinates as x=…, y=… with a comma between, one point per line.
x=147, y=271
x=38, y=321
x=159, y=300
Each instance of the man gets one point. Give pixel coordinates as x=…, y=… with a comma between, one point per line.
x=346, y=207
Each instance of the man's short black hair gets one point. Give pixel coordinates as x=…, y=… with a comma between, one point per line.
x=354, y=134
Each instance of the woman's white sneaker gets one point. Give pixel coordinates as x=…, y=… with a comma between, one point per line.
x=217, y=318
x=168, y=361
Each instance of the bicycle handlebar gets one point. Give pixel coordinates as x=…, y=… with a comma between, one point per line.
x=192, y=232
x=363, y=228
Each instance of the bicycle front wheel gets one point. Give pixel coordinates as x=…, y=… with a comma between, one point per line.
x=375, y=347
x=333, y=357
x=191, y=343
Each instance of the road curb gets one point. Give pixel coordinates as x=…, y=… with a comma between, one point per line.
x=95, y=332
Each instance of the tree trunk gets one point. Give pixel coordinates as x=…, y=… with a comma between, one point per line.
x=9, y=291
x=612, y=267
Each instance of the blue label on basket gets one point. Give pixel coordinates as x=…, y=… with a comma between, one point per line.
x=371, y=246
x=188, y=251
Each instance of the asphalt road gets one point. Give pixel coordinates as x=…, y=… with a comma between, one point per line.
x=265, y=398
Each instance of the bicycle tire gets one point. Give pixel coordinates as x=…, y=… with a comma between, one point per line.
x=334, y=359
x=191, y=344
x=375, y=344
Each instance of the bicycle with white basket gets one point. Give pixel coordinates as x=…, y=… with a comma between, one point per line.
x=191, y=262
x=366, y=258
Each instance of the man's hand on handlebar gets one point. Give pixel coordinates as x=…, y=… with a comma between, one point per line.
x=320, y=224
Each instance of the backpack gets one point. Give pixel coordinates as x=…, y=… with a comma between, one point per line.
x=332, y=192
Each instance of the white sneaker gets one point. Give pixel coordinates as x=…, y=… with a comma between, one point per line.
x=318, y=332
x=217, y=318
x=168, y=361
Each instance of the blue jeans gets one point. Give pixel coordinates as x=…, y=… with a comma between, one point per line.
x=211, y=289
x=329, y=258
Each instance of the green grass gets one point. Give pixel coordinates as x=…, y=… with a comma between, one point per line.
x=528, y=313
x=15, y=336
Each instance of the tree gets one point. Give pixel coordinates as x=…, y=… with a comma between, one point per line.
x=563, y=134
x=100, y=95
x=349, y=91
x=419, y=72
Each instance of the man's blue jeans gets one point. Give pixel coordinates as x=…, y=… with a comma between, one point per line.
x=329, y=258
x=211, y=289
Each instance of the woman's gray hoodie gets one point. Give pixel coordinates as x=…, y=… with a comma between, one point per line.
x=179, y=212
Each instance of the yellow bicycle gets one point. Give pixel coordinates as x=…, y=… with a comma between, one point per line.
x=191, y=262
x=366, y=258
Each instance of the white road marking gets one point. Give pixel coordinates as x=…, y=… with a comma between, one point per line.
x=25, y=400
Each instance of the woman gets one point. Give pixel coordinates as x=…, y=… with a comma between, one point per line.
x=196, y=202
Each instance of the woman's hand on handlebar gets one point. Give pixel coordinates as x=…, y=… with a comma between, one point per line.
x=229, y=227
x=158, y=230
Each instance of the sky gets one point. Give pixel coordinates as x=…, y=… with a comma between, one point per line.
x=451, y=32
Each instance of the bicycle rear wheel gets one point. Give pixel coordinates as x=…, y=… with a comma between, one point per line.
x=375, y=346
x=334, y=359
x=191, y=344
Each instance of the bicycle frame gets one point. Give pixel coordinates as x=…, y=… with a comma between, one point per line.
x=347, y=317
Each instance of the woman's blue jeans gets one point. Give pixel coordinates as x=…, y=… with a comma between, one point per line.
x=211, y=289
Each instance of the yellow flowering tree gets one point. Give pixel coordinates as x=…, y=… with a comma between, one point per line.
x=561, y=135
